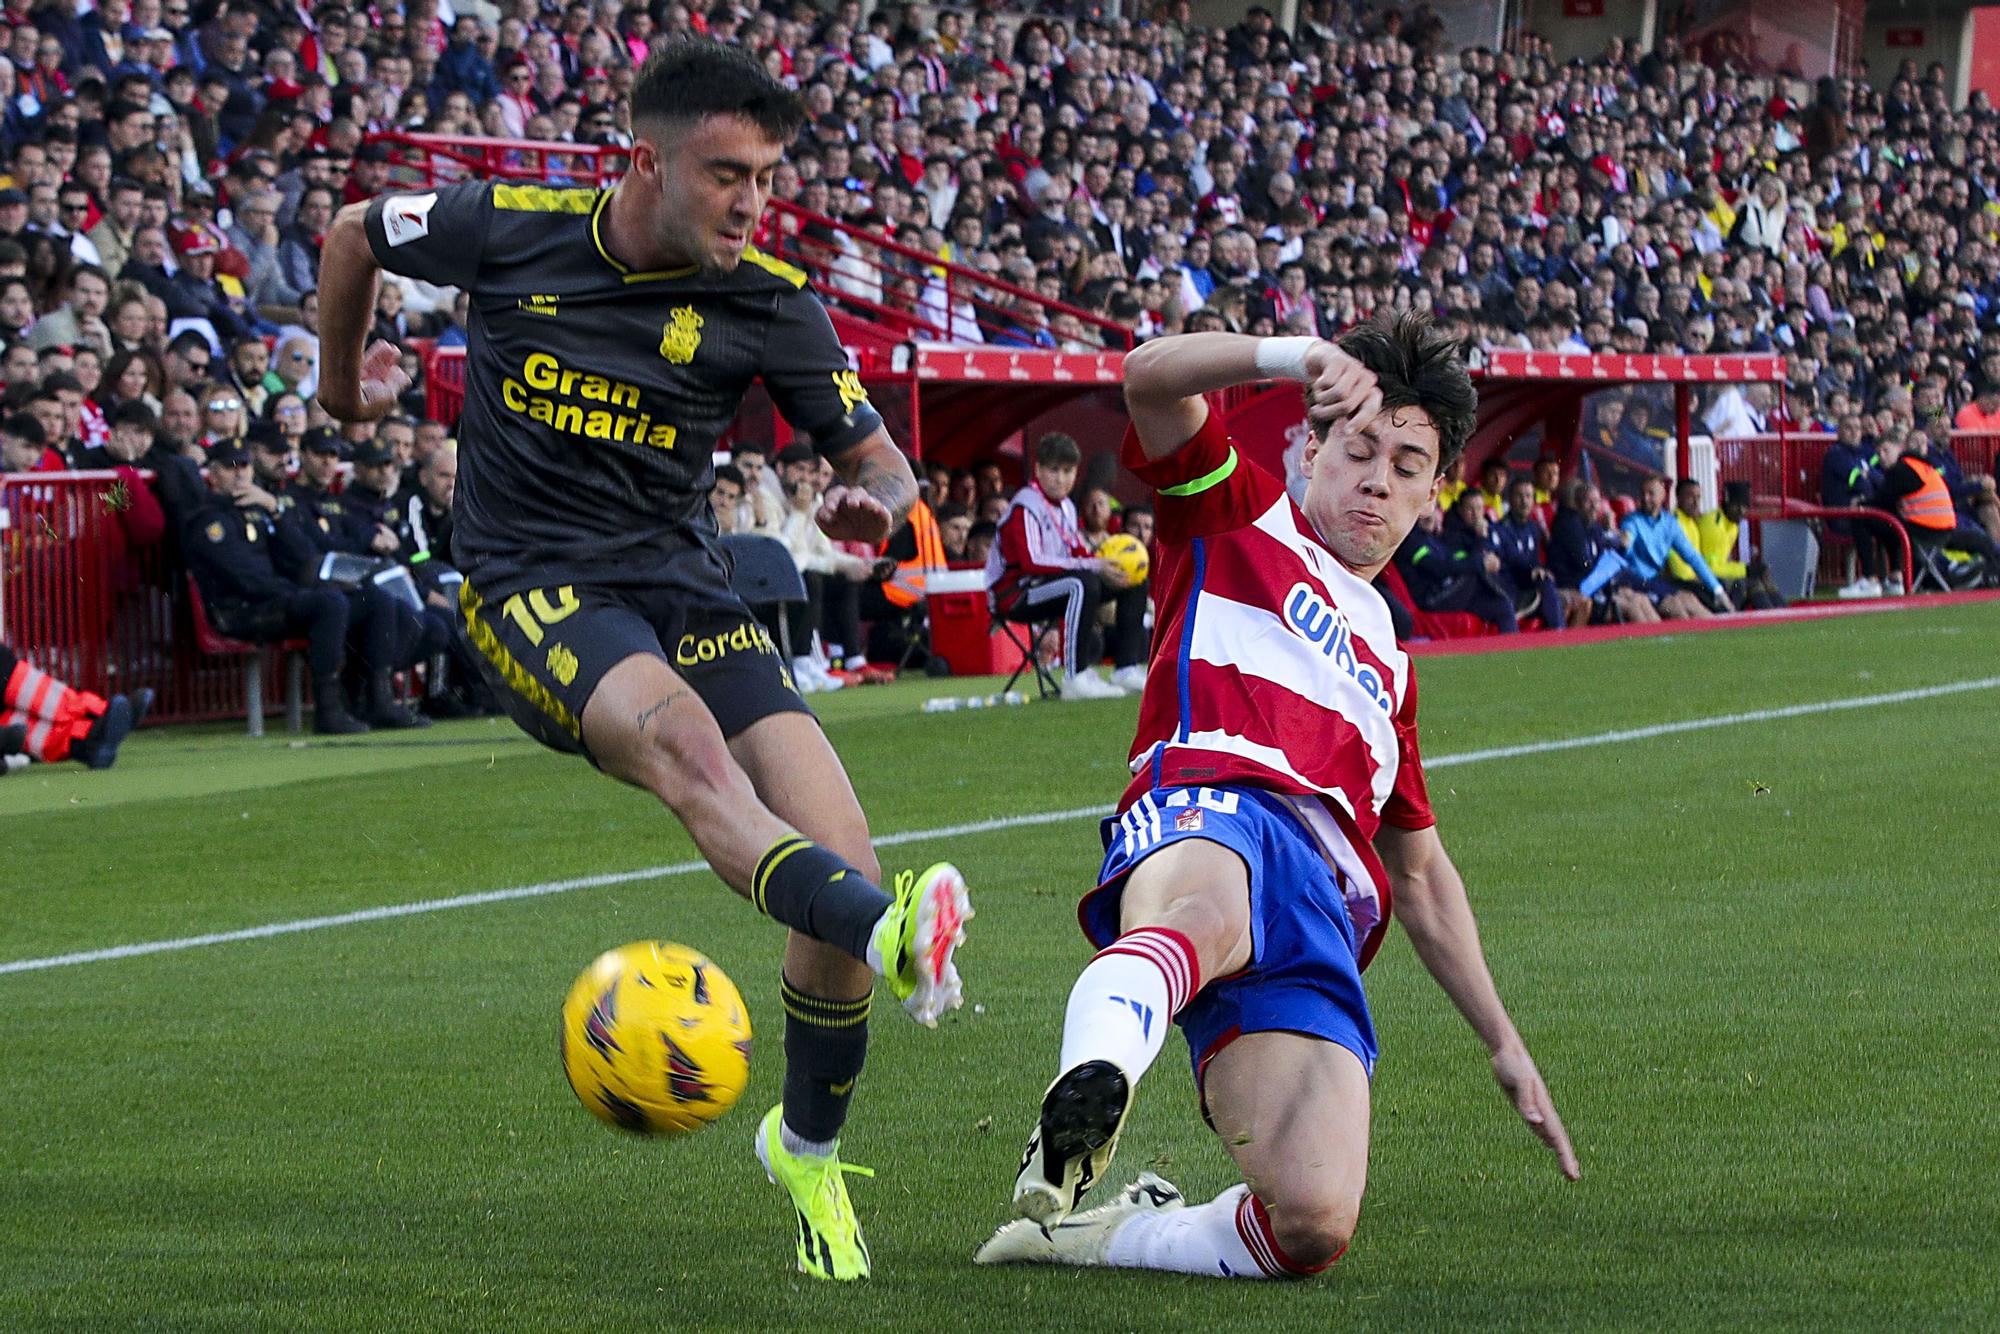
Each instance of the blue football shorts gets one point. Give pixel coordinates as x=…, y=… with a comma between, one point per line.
x=1304, y=976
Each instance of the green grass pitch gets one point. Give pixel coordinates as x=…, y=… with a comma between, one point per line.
x=1756, y=963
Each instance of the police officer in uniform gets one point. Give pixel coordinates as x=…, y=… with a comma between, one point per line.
x=372, y=493
x=311, y=493
x=229, y=546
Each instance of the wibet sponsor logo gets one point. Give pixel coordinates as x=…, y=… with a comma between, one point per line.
x=1311, y=618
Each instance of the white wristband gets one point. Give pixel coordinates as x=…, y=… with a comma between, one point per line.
x=1284, y=358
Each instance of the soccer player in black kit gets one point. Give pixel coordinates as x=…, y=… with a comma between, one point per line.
x=613, y=333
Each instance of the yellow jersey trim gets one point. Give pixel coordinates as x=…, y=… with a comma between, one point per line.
x=791, y=273
x=518, y=678
x=597, y=239
x=543, y=199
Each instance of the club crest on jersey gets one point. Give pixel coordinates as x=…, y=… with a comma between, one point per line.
x=681, y=336
x=1311, y=618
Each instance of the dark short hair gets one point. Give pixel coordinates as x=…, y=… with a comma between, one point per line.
x=757, y=447
x=1417, y=365
x=25, y=426
x=688, y=81
x=797, y=454
x=951, y=510
x=729, y=472
x=134, y=413
x=1057, y=450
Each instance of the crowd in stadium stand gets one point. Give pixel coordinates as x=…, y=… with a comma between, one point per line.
x=171, y=165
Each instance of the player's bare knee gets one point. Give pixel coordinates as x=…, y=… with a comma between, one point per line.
x=693, y=773
x=1313, y=1232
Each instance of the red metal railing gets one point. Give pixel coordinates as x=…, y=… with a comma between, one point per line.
x=1789, y=465
x=440, y=159
x=1784, y=475
x=72, y=607
x=444, y=383
x=1799, y=509
x=917, y=294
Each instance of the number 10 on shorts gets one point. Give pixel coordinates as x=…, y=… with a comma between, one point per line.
x=531, y=614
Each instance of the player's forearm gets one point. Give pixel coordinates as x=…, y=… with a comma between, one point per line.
x=1189, y=365
x=1434, y=911
x=346, y=302
x=879, y=468
x=1166, y=378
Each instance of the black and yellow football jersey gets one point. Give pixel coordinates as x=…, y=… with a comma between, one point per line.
x=594, y=394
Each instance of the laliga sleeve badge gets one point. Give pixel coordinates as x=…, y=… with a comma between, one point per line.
x=214, y=531
x=1188, y=820
x=407, y=218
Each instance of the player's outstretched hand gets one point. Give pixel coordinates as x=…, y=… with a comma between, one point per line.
x=1340, y=387
x=850, y=514
x=383, y=381
x=1516, y=1071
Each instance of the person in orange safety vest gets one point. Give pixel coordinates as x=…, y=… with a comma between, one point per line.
x=1922, y=501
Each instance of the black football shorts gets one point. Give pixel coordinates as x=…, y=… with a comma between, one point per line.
x=544, y=650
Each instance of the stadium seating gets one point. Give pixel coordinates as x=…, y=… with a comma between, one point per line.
x=292, y=652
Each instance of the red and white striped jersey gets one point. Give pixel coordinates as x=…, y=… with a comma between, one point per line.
x=1038, y=536
x=1274, y=666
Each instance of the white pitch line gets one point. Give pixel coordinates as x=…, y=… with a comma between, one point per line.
x=393, y=910
x=1720, y=720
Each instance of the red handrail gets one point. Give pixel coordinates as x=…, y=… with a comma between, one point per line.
x=432, y=158
x=782, y=232
x=1782, y=507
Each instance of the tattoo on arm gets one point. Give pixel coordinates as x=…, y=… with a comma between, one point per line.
x=888, y=478
x=646, y=715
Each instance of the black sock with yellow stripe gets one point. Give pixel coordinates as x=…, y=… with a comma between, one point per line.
x=826, y=1043
x=817, y=894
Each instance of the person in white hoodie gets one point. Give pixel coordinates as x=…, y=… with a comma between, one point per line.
x=832, y=577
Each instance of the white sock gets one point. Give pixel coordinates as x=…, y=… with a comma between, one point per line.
x=1126, y=997
x=804, y=1148
x=1229, y=1237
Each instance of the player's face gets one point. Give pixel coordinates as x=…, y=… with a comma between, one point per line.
x=1364, y=490
x=1055, y=479
x=710, y=185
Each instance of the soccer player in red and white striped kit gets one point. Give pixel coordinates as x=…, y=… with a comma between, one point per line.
x=1277, y=809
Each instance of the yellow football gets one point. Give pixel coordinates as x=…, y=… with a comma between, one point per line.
x=655, y=1039
x=1129, y=554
